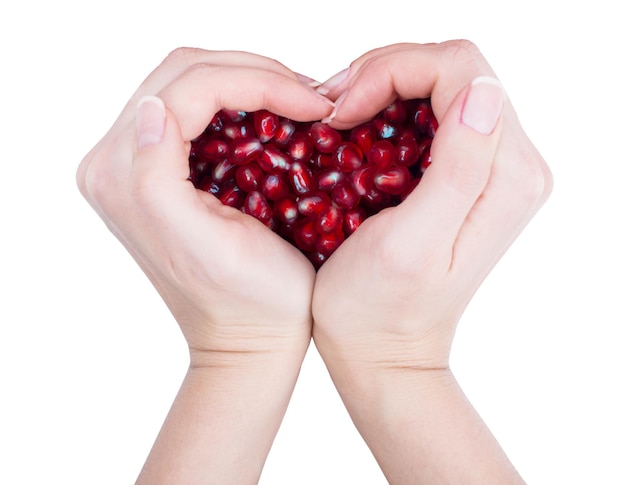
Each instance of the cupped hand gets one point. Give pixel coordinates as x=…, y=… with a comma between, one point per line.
x=392, y=294
x=233, y=285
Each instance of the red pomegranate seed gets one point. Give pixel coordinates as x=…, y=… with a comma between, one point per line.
x=329, y=179
x=285, y=130
x=265, y=124
x=313, y=203
x=394, y=180
x=257, y=206
x=352, y=219
x=300, y=147
x=275, y=186
x=249, y=177
x=362, y=180
x=286, y=210
x=382, y=154
x=224, y=170
x=325, y=138
x=364, y=136
x=231, y=195
x=301, y=178
x=209, y=185
x=395, y=112
x=386, y=130
x=213, y=149
x=327, y=243
x=322, y=160
x=305, y=235
x=345, y=197
x=245, y=149
x=273, y=159
x=234, y=115
x=237, y=130
x=329, y=220
x=407, y=151
x=348, y=156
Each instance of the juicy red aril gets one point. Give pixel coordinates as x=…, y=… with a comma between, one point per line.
x=393, y=181
x=265, y=125
x=312, y=184
x=245, y=149
x=348, y=156
x=325, y=138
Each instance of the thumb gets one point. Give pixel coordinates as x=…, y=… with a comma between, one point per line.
x=160, y=149
x=462, y=153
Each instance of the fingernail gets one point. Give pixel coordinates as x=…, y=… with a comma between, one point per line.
x=483, y=105
x=309, y=81
x=333, y=82
x=338, y=103
x=149, y=121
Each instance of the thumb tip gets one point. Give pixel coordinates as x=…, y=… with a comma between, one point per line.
x=150, y=121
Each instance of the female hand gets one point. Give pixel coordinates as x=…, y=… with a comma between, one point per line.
x=387, y=303
x=231, y=284
x=240, y=294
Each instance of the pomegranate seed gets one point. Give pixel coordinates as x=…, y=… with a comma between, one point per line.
x=329, y=179
x=301, y=147
x=348, y=156
x=345, y=197
x=325, y=138
x=301, y=178
x=310, y=183
x=285, y=130
x=286, y=209
x=364, y=136
x=245, y=149
x=273, y=159
x=394, y=180
x=209, y=185
x=362, y=180
x=213, y=149
x=407, y=151
x=305, y=235
x=275, y=186
x=326, y=244
x=329, y=220
x=425, y=159
x=382, y=154
x=313, y=203
x=396, y=112
x=265, y=124
x=352, y=219
x=257, y=206
x=231, y=195
x=249, y=177
x=224, y=170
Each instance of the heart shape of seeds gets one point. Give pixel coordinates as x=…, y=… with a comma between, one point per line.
x=308, y=182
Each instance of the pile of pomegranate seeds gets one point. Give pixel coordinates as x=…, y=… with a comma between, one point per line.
x=311, y=184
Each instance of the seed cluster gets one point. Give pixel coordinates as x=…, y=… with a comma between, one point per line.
x=310, y=183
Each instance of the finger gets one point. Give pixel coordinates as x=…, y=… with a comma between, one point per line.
x=203, y=90
x=463, y=153
x=519, y=185
x=438, y=71
x=182, y=59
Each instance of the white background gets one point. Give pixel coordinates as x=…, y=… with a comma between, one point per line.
x=90, y=359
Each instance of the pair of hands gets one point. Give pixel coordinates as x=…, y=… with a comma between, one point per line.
x=390, y=297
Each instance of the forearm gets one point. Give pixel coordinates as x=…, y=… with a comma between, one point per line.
x=223, y=422
x=420, y=426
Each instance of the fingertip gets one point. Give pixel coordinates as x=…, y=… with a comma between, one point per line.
x=483, y=105
x=150, y=120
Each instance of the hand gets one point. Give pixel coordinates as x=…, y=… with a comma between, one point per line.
x=387, y=303
x=231, y=284
x=240, y=294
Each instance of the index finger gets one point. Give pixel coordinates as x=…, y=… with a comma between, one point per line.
x=407, y=71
